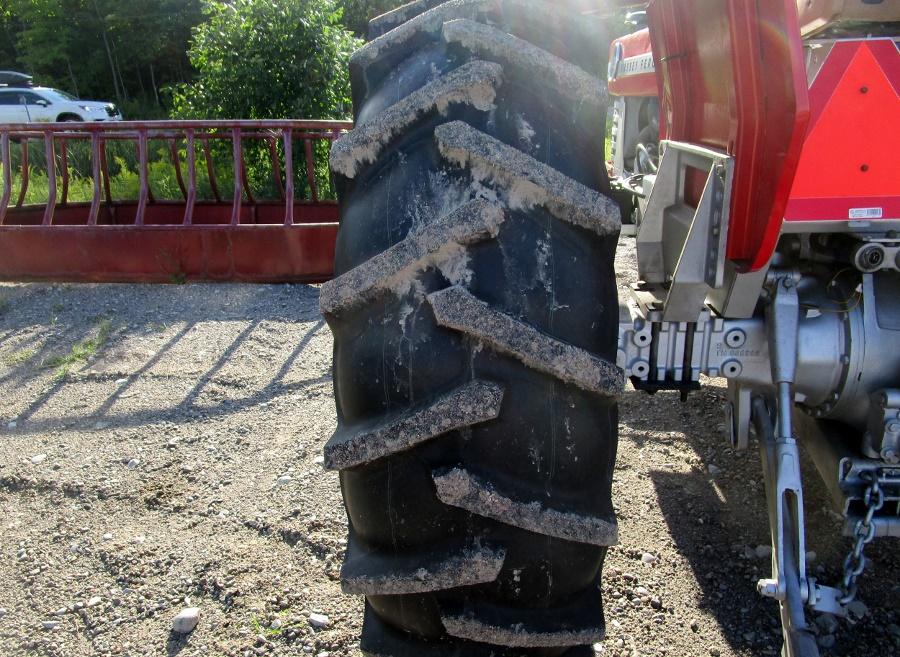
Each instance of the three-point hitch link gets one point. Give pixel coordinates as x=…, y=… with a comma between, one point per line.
x=790, y=584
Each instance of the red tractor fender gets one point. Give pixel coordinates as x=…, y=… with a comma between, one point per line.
x=733, y=78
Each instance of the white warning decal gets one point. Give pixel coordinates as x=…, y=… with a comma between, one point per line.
x=866, y=213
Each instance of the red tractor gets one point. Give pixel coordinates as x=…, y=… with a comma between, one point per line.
x=479, y=341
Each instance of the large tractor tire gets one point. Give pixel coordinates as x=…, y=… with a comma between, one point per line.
x=475, y=325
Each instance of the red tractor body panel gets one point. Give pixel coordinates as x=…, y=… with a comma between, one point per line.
x=849, y=169
x=631, y=68
x=845, y=168
x=738, y=86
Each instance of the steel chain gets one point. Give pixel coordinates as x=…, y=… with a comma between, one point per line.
x=864, y=533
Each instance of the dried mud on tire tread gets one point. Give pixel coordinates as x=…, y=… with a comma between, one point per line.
x=412, y=215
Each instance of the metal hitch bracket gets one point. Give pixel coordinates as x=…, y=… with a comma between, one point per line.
x=681, y=250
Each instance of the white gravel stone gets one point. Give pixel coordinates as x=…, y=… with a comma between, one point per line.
x=713, y=469
x=38, y=458
x=186, y=620
x=107, y=536
x=763, y=551
x=283, y=480
x=826, y=641
x=858, y=608
x=50, y=625
x=121, y=382
x=12, y=425
x=2, y=612
x=133, y=463
x=319, y=620
x=648, y=558
x=827, y=623
x=94, y=601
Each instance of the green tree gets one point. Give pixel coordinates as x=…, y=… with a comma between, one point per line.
x=260, y=59
x=110, y=49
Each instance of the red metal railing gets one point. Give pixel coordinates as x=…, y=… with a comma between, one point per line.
x=283, y=232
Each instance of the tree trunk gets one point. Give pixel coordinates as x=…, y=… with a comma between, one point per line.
x=72, y=77
x=141, y=81
x=109, y=55
x=119, y=73
x=153, y=84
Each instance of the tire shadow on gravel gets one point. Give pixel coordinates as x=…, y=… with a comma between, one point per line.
x=710, y=518
x=716, y=514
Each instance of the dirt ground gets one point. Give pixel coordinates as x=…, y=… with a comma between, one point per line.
x=160, y=448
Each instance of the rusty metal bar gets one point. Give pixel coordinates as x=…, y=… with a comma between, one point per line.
x=132, y=135
x=288, y=177
x=104, y=166
x=144, y=174
x=192, y=180
x=310, y=170
x=210, y=171
x=95, y=175
x=238, y=160
x=276, y=167
x=64, y=168
x=243, y=124
x=5, y=162
x=26, y=171
x=138, y=211
x=246, y=185
x=137, y=150
x=176, y=163
x=50, y=157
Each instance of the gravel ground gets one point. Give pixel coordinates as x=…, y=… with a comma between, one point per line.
x=160, y=449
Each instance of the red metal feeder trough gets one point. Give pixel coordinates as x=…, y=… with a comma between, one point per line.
x=205, y=231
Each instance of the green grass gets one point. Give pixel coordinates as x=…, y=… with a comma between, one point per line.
x=19, y=357
x=81, y=351
x=609, y=143
x=124, y=180
x=125, y=185
x=268, y=632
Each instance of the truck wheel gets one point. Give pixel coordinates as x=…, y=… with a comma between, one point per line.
x=475, y=326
